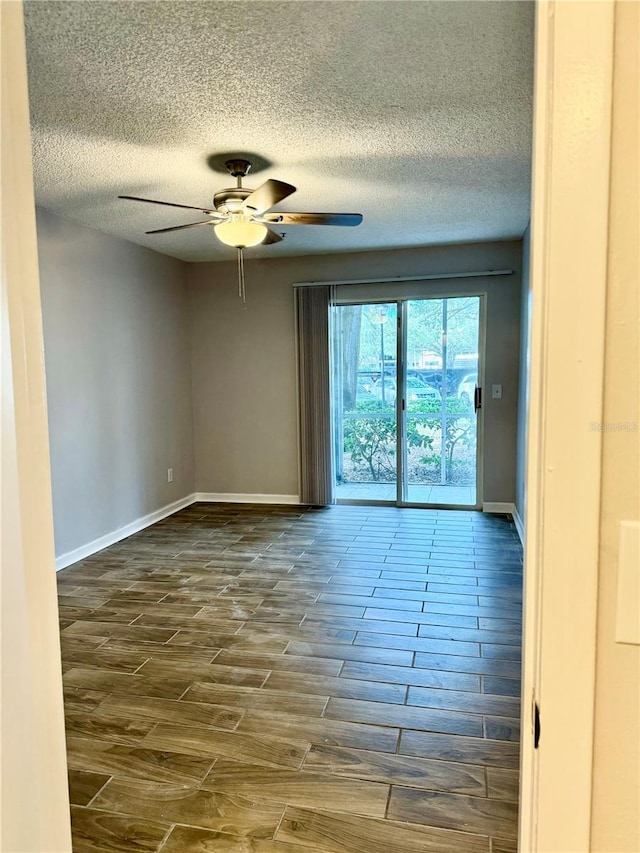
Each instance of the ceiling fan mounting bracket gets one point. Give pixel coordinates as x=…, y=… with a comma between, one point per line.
x=238, y=168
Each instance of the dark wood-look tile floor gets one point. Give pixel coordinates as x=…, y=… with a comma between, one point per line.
x=290, y=680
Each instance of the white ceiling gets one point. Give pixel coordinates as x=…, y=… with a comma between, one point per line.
x=415, y=114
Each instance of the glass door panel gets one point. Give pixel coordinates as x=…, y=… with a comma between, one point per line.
x=364, y=353
x=439, y=423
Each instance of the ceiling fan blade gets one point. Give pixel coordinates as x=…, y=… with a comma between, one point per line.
x=180, y=227
x=270, y=193
x=168, y=203
x=272, y=237
x=315, y=218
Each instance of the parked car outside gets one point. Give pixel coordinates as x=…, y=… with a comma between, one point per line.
x=467, y=387
x=364, y=391
x=416, y=390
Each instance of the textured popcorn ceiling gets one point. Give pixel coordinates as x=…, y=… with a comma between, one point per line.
x=415, y=114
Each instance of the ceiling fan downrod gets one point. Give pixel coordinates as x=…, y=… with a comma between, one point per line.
x=238, y=169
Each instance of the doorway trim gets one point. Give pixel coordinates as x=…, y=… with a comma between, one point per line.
x=570, y=205
x=574, y=54
x=34, y=755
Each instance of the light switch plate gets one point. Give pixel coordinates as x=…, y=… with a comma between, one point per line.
x=628, y=610
x=496, y=392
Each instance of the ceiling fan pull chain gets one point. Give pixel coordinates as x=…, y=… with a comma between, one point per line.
x=241, y=288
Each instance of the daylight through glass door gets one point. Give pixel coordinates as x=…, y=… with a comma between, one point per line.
x=439, y=421
x=406, y=432
x=364, y=400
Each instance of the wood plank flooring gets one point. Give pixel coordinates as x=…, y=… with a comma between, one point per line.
x=252, y=679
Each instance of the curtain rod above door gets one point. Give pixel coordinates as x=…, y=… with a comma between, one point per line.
x=398, y=278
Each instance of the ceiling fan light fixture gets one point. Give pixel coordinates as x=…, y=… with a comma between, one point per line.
x=241, y=235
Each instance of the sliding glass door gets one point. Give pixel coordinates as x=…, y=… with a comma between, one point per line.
x=405, y=401
x=364, y=399
x=439, y=423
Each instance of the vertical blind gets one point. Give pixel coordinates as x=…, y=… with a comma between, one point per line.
x=314, y=387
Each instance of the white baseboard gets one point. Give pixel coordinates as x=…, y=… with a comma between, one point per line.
x=96, y=545
x=499, y=508
x=517, y=520
x=235, y=498
x=92, y=547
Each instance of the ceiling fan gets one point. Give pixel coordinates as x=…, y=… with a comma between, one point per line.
x=242, y=217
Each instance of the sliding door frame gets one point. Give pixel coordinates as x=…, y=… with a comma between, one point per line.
x=402, y=414
x=343, y=303
x=401, y=408
x=401, y=372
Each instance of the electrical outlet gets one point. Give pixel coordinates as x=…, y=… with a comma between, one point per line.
x=496, y=392
x=169, y=475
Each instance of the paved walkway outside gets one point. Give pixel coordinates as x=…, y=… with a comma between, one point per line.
x=446, y=495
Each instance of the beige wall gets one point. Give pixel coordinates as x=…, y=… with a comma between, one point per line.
x=616, y=790
x=244, y=379
x=244, y=375
x=118, y=379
